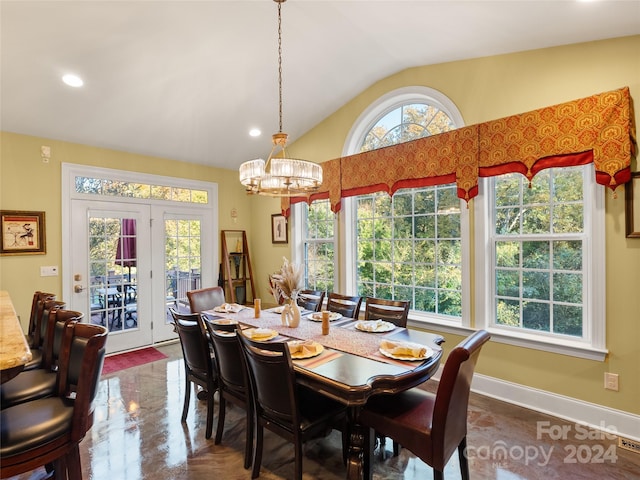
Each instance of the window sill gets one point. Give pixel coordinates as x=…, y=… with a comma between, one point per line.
x=573, y=349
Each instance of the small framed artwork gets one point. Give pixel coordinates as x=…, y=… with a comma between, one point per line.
x=279, y=232
x=23, y=233
x=632, y=205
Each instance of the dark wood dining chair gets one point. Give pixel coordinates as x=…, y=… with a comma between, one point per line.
x=289, y=410
x=311, y=300
x=347, y=306
x=205, y=299
x=49, y=430
x=431, y=426
x=199, y=363
x=41, y=382
x=233, y=380
x=394, y=311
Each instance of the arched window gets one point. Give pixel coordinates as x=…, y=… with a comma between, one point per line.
x=409, y=246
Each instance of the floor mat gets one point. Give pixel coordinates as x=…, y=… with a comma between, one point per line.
x=135, y=358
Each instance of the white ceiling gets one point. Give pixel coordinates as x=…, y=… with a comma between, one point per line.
x=187, y=79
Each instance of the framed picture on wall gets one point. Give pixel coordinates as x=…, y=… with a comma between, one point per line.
x=632, y=206
x=23, y=233
x=279, y=233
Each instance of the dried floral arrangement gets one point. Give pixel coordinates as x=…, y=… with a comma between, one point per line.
x=289, y=280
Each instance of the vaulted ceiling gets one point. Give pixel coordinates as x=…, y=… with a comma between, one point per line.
x=187, y=79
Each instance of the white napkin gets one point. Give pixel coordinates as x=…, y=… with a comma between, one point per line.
x=228, y=308
x=373, y=325
x=404, y=348
x=304, y=347
x=258, y=333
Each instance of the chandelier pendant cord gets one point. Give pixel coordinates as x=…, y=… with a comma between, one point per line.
x=280, y=63
x=280, y=176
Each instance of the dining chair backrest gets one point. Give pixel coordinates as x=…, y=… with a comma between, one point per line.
x=449, y=423
x=42, y=315
x=345, y=305
x=40, y=332
x=394, y=311
x=36, y=309
x=232, y=373
x=311, y=299
x=273, y=380
x=80, y=365
x=194, y=342
x=205, y=298
x=58, y=319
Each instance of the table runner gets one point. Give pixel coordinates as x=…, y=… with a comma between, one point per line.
x=342, y=334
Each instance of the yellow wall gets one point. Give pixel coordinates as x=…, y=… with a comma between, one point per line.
x=493, y=87
x=26, y=183
x=483, y=89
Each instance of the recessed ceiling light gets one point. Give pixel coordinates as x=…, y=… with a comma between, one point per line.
x=72, y=80
x=255, y=132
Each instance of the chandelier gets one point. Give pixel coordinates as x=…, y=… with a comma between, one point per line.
x=280, y=176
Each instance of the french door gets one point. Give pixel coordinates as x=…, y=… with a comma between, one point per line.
x=127, y=261
x=111, y=282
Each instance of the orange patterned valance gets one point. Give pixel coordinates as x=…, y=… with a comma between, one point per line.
x=330, y=188
x=597, y=129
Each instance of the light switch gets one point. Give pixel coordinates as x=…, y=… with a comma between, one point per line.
x=51, y=271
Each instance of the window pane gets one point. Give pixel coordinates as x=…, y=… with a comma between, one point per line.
x=539, y=270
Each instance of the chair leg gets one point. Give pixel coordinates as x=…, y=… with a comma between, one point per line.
x=298, y=460
x=73, y=467
x=187, y=397
x=222, y=404
x=257, y=453
x=438, y=475
x=248, y=444
x=396, y=448
x=209, y=416
x=464, y=461
x=59, y=469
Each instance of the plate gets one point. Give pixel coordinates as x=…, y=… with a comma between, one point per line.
x=267, y=334
x=317, y=316
x=228, y=308
x=223, y=321
x=309, y=354
x=374, y=326
x=278, y=309
x=409, y=358
x=224, y=333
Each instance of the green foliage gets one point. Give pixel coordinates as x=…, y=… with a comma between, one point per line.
x=400, y=254
x=536, y=274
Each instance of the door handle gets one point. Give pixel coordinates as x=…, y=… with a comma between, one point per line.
x=78, y=289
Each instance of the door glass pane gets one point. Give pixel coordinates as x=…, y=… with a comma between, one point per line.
x=112, y=268
x=182, y=262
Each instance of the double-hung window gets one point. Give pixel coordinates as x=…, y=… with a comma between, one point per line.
x=540, y=267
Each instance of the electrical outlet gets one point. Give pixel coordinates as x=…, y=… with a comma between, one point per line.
x=611, y=381
x=628, y=444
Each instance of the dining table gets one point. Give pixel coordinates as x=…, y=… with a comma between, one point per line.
x=351, y=366
x=14, y=349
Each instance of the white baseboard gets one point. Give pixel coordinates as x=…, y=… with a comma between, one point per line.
x=570, y=409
